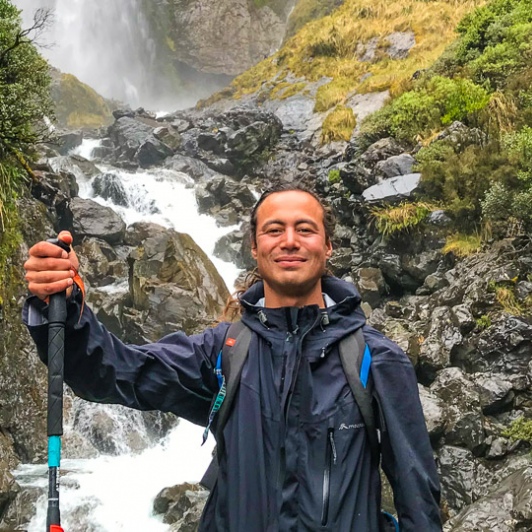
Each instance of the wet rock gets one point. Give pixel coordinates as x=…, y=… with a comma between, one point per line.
x=92, y=219
x=393, y=189
x=152, y=152
x=462, y=409
x=128, y=134
x=173, y=284
x=20, y=511
x=181, y=506
x=67, y=141
x=461, y=476
x=245, y=147
x=434, y=412
x=110, y=187
x=505, y=347
x=401, y=42
x=441, y=339
x=371, y=285
x=198, y=170
x=507, y=508
x=395, y=166
x=8, y=487
x=55, y=189
x=495, y=392
x=381, y=150
x=463, y=318
x=168, y=136
x=225, y=199
x=365, y=104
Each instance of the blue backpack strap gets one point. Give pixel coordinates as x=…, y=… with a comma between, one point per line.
x=356, y=362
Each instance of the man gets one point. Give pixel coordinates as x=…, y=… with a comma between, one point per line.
x=296, y=456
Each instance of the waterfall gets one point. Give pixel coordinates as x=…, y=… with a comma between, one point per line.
x=108, y=45
x=115, y=493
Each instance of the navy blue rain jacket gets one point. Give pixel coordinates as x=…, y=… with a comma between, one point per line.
x=297, y=455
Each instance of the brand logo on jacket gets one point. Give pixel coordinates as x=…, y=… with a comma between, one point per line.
x=343, y=426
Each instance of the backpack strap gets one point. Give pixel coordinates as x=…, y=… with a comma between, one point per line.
x=229, y=366
x=356, y=362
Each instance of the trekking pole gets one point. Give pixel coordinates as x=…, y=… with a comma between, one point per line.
x=56, y=350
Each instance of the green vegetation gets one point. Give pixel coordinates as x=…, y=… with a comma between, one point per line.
x=333, y=45
x=24, y=102
x=462, y=245
x=334, y=176
x=520, y=429
x=338, y=125
x=481, y=173
x=483, y=322
x=24, y=84
x=78, y=105
x=308, y=10
x=434, y=103
x=401, y=218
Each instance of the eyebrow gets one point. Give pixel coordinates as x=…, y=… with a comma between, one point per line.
x=299, y=222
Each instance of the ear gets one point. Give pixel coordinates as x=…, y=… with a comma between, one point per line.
x=329, y=251
x=254, y=250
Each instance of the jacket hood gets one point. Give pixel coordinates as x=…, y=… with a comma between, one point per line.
x=344, y=316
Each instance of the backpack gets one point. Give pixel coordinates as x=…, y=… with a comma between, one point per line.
x=356, y=362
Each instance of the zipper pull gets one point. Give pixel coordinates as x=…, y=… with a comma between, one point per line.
x=323, y=352
x=262, y=318
x=333, y=446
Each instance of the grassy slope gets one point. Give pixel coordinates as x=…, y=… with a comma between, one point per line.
x=328, y=48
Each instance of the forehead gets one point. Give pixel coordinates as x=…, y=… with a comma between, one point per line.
x=289, y=205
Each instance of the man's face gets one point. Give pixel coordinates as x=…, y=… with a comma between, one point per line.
x=291, y=248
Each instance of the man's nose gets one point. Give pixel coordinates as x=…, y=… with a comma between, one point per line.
x=290, y=239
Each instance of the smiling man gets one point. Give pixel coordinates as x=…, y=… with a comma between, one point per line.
x=298, y=452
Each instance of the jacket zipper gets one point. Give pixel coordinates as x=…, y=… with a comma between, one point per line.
x=330, y=460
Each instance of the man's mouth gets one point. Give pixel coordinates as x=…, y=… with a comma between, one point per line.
x=289, y=260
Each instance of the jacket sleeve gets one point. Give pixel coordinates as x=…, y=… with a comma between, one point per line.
x=407, y=457
x=174, y=374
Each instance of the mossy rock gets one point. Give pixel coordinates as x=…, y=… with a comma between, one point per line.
x=78, y=105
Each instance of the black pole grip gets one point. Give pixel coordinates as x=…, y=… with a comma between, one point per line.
x=56, y=349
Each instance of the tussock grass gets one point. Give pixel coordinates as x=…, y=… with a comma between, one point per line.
x=331, y=47
x=462, y=245
x=338, y=125
x=402, y=218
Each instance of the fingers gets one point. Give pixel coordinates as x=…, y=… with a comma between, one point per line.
x=42, y=291
x=49, y=268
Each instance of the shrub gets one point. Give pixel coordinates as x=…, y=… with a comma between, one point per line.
x=483, y=322
x=520, y=429
x=401, y=218
x=334, y=176
x=519, y=147
x=497, y=203
x=462, y=245
x=433, y=104
x=338, y=125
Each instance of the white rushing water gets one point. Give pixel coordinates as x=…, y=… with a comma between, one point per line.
x=105, y=43
x=116, y=493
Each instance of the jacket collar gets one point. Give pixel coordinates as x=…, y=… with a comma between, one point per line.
x=346, y=314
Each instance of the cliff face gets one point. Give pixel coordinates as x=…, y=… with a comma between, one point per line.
x=225, y=37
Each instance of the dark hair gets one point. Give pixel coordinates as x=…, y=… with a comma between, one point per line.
x=329, y=221
x=233, y=309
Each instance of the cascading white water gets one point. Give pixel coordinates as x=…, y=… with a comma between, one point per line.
x=105, y=43
x=115, y=493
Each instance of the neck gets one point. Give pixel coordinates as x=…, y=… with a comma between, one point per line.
x=273, y=299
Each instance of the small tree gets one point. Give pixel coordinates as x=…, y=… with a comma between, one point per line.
x=24, y=82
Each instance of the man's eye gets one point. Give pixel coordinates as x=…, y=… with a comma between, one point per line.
x=304, y=230
x=274, y=231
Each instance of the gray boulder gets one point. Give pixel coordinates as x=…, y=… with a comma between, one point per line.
x=508, y=508
x=393, y=189
x=173, y=285
x=92, y=219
